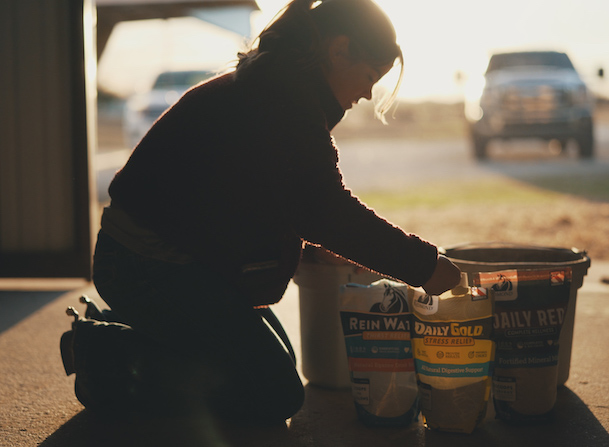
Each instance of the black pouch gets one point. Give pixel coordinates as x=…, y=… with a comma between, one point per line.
x=120, y=371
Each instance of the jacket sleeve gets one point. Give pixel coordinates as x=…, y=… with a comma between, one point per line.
x=323, y=211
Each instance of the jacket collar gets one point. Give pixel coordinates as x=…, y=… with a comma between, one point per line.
x=329, y=104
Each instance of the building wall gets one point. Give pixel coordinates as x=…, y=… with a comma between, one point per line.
x=47, y=134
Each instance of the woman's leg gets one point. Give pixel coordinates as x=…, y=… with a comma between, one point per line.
x=202, y=317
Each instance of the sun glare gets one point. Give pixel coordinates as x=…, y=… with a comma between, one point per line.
x=446, y=43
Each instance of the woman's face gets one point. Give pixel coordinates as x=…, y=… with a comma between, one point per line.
x=351, y=80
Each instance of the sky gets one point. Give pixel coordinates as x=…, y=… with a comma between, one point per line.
x=439, y=38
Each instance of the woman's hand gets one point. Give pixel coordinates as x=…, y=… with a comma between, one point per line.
x=446, y=276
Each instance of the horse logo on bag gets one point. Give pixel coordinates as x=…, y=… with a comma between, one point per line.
x=425, y=299
x=394, y=301
x=503, y=284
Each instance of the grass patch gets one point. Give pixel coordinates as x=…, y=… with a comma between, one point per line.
x=592, y=187
x=437, y=195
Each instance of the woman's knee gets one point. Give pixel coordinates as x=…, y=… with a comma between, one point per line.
x=268, y=406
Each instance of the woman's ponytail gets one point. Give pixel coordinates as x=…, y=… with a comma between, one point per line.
x=291, y=35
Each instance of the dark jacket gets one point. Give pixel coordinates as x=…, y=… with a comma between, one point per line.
x=243, y=169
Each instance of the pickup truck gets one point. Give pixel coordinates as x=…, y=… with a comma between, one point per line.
x=532, y=94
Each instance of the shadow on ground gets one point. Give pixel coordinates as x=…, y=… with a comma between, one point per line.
x=18, y=305
x=328, y=420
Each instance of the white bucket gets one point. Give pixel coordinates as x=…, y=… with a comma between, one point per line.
x=324, y=356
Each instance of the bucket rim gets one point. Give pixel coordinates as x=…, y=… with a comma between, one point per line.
x=582, y=254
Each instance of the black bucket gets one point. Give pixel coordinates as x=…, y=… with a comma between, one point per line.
x=492, y=257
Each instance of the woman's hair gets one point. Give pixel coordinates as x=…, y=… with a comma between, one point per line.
x=300, y=32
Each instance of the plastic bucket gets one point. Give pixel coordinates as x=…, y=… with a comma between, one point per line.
x=473, y=258
x=324, y=357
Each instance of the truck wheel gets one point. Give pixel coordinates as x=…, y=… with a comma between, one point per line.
x=585, y=141
x=480, y=145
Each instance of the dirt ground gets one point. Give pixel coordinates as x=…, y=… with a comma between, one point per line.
x=575, y=223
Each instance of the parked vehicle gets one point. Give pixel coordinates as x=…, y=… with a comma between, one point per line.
x=142, y=110
x=534, y=94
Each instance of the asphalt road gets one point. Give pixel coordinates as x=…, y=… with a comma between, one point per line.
x=393, y=164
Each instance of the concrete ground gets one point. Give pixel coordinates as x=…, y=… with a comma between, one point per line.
x=38, y=407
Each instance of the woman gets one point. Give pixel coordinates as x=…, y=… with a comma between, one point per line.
x=209, y=215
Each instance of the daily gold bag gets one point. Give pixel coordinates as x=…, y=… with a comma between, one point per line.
x=453, y=351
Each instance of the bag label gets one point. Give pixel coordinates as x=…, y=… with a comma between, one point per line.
x=376, y=322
